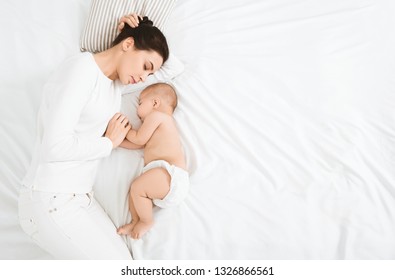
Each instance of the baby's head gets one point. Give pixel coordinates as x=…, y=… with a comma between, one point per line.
x=160, y=96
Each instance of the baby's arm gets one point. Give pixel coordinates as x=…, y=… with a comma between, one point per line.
x=126, y=144
x=144, y=133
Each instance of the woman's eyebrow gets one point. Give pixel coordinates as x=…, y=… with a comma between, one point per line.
x=152, y=66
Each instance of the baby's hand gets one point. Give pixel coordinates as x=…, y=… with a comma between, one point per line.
x=132, y=20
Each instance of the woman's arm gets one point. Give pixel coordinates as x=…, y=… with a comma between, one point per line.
x=66, y=95
x=132, y=20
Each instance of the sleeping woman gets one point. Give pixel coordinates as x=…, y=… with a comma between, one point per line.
x=78, y=124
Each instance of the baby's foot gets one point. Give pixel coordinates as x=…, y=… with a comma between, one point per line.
x=127, y=229
x=140, y=229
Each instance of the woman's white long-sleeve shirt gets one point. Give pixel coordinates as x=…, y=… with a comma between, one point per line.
x=78, y=102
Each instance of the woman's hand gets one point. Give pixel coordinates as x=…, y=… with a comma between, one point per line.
x=117, y=129
x=132, y=20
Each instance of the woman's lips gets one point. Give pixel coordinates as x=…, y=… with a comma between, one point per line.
x=132, y=81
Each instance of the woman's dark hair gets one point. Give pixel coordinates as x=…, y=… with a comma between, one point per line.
x=146, y=37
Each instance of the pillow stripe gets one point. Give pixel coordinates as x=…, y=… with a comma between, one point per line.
x=96, y=24
x=118, y=7
x=158, y=11
x=101, y=18
x=101, y=27
x=87, y=38
x=106, y=32
x=138, y=6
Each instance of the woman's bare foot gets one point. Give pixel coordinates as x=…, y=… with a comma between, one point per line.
x=141, y=228
x=127, y=229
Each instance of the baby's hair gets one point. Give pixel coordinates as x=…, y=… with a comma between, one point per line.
x=165, y=91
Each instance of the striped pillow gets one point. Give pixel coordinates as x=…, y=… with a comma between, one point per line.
x=101, y=27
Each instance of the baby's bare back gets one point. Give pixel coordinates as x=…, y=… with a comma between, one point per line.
x=165, y=144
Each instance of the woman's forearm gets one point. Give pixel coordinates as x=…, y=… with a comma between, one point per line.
x=76, y=148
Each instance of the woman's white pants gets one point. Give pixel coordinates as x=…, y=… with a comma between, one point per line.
x=70, y=226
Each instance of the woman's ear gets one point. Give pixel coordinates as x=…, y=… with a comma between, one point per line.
x=128, y=44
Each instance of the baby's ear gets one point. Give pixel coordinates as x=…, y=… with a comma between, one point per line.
x=156, y=102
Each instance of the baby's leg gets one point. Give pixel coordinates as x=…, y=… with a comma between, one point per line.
x=127, y=229
x=153, y=184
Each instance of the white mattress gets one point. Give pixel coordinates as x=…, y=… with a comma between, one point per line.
x=286, y=110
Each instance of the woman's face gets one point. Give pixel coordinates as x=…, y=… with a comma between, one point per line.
x=135, y=65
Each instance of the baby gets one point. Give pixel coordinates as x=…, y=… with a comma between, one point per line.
x=164, y=180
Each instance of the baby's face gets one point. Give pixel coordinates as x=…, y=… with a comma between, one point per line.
x=146, y=105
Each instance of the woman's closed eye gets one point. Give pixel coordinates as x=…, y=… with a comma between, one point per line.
x=149, y=66
x=146, y=68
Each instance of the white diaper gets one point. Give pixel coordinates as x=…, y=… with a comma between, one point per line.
x=179, y=183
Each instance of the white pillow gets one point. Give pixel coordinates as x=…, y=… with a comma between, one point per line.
x=169, y=70
x=101, y=27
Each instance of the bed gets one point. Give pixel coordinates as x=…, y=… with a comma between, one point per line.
x=286, y=112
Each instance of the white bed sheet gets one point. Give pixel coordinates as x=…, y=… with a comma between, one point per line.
x=286, y=114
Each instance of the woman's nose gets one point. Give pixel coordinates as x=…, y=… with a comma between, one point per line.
x=143, y=77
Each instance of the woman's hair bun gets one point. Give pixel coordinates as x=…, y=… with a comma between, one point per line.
x=145, y=20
